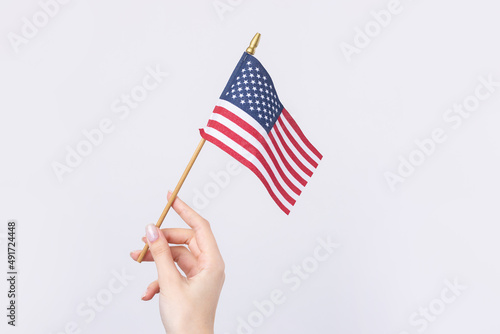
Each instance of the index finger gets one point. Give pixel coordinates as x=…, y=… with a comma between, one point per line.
x=203, y=233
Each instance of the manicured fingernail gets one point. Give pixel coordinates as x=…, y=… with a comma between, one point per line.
x=144, y=295
x=151, y=233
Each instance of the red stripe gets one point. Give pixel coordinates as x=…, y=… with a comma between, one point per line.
x=250, y=148
x=299, y=132
x=251, y=130
x=297, y=146
x=290, y=153
x=247, y=163
x=285, y=161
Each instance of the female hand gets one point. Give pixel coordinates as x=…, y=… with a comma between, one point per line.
x=187, y=303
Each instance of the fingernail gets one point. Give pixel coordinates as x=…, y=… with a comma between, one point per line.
x=151, y=232
x=144, y=295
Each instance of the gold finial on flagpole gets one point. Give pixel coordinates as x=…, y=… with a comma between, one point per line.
x=253, y=44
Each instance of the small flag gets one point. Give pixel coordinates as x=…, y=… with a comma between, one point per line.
x=250, y=123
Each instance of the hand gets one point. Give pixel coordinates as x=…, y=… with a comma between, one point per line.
x=187, y=303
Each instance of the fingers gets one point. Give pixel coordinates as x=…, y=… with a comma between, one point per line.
x=178, y=235
x=185, y=259
x=151, y=290
x=204, y=236
x=160, y=250
x=180, y=254
x=181, y=236
x=147, y=258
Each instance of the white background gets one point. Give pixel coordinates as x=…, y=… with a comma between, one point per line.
x=397, y=247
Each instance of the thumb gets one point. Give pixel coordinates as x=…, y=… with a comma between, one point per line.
x=160, y=250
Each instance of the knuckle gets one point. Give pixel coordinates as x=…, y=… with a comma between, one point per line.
x=158, y=248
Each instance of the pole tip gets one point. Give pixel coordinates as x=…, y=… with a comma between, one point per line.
x=253, y=44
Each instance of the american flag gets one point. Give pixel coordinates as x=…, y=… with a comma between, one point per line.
x=250, y=123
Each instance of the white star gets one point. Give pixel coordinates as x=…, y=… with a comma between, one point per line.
x=251, y=108
x=257, y=69
x=250, y=101
x=264, y=77
x=240, y=89
x=237, y=78
x=242, y=101
x=241, y=95
x=250, y=69
x=267, y=124
x=238, y=83
x=265, y=117
x=257, y=102
x=227, y=93
x=245, y=82
x=244, y=75
x=258, y=108
x=254, y=88
x=249, y=63
x=243, y=70
x=246, y=88
x=234, y=96
x=255, y=95
x=258, y=76
x=260, y=116
x=249, y=95
x=251, y=75
x=260, y=83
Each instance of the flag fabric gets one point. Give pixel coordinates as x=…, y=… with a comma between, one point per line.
x=250, y=123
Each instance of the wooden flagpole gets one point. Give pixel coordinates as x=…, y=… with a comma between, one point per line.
x=251, y=50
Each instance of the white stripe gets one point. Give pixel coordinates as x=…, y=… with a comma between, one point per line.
x=253, y=123
x=299, y=140
x=250, y=157
x=292, y=147
x=252, y=140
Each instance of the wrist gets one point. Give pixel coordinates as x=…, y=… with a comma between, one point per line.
x=194, y=327
x=194, y=330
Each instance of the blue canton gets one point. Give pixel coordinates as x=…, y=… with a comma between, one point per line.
x=251, y=89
